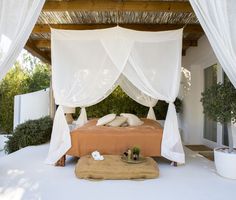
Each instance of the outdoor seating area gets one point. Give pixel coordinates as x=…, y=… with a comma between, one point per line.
x=23, y=175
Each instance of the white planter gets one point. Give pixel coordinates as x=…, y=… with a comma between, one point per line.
x=234, y=140
x=233, y=127
x=225, y=163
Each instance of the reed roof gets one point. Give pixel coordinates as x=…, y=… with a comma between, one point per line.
x=92, y=14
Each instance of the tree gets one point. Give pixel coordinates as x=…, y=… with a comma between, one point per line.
x=14, y=83
x=219, y=104
x=29, y=75
x=39, y=78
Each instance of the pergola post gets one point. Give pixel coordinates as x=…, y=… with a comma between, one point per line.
x=52, y=105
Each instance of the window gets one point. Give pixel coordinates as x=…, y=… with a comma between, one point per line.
x=210, y=126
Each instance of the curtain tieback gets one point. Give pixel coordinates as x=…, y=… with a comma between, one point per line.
x=151, y=114
x=82, y=119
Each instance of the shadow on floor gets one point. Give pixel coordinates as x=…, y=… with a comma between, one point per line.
x=202, y=150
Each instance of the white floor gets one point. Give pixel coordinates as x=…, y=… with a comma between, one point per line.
x=23, y=175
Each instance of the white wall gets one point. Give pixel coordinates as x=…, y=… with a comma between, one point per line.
x=31, y=106
x=196, y=59
x=3, y=139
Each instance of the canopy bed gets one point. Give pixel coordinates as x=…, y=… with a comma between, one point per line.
x=88, y=65
x=115, y=140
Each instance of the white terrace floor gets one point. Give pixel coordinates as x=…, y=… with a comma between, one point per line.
x=23, y=175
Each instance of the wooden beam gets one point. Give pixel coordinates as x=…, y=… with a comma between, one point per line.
x=46, y=44
x=117, y=5
x=42, y=44
x=183, y=51
x=190, y=28
x=30, y=46
x=189, y=43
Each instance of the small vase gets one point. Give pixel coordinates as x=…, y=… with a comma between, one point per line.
x=136, y=157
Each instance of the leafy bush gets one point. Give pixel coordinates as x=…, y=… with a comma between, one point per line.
x=118, y=102
x=32, y=132
x=219, y=102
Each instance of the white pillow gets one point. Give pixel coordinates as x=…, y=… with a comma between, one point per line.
x=132, y=119
x=118, y=121
x=106, y=119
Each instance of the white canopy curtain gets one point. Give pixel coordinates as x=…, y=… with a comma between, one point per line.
x=132, y=92
x=138, y=96
x=17, y=18
x=218, y=19
x=88, y=65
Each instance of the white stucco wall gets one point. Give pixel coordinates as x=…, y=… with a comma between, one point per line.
x=31, y=106
x=196, y=59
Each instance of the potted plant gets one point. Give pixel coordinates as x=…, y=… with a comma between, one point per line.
x=219, y=104
x=135, y=153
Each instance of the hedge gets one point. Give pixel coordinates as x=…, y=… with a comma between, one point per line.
x=32, y=132
x=118, y=102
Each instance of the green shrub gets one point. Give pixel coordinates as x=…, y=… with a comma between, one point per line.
x=219, y=102
x=118, y=102
x=14, y=83
x=32, y=132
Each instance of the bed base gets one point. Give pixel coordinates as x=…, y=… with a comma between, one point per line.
x=61, y=162
x=174, y=163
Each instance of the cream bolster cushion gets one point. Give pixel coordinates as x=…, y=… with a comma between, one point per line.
x=132, y=119
x=118, y=121
x=105, y=119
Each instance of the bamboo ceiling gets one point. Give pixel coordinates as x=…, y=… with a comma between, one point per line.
x=92, y=14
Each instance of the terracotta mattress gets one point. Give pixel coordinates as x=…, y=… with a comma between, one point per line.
x=115, y=140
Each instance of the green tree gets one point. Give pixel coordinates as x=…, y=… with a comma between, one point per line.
x=219, y=104
x=14, y=83
x=39, y=78
x=29, y=76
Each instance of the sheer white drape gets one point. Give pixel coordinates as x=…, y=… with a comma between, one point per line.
x=138, y=96
x=87, y=66
x=218, y=19
x=17, y=18
x=132, y=92
x=154, y=67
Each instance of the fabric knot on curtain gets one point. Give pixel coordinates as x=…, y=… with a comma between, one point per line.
x=151, y=113
x=82, y=118
x=88, y=65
